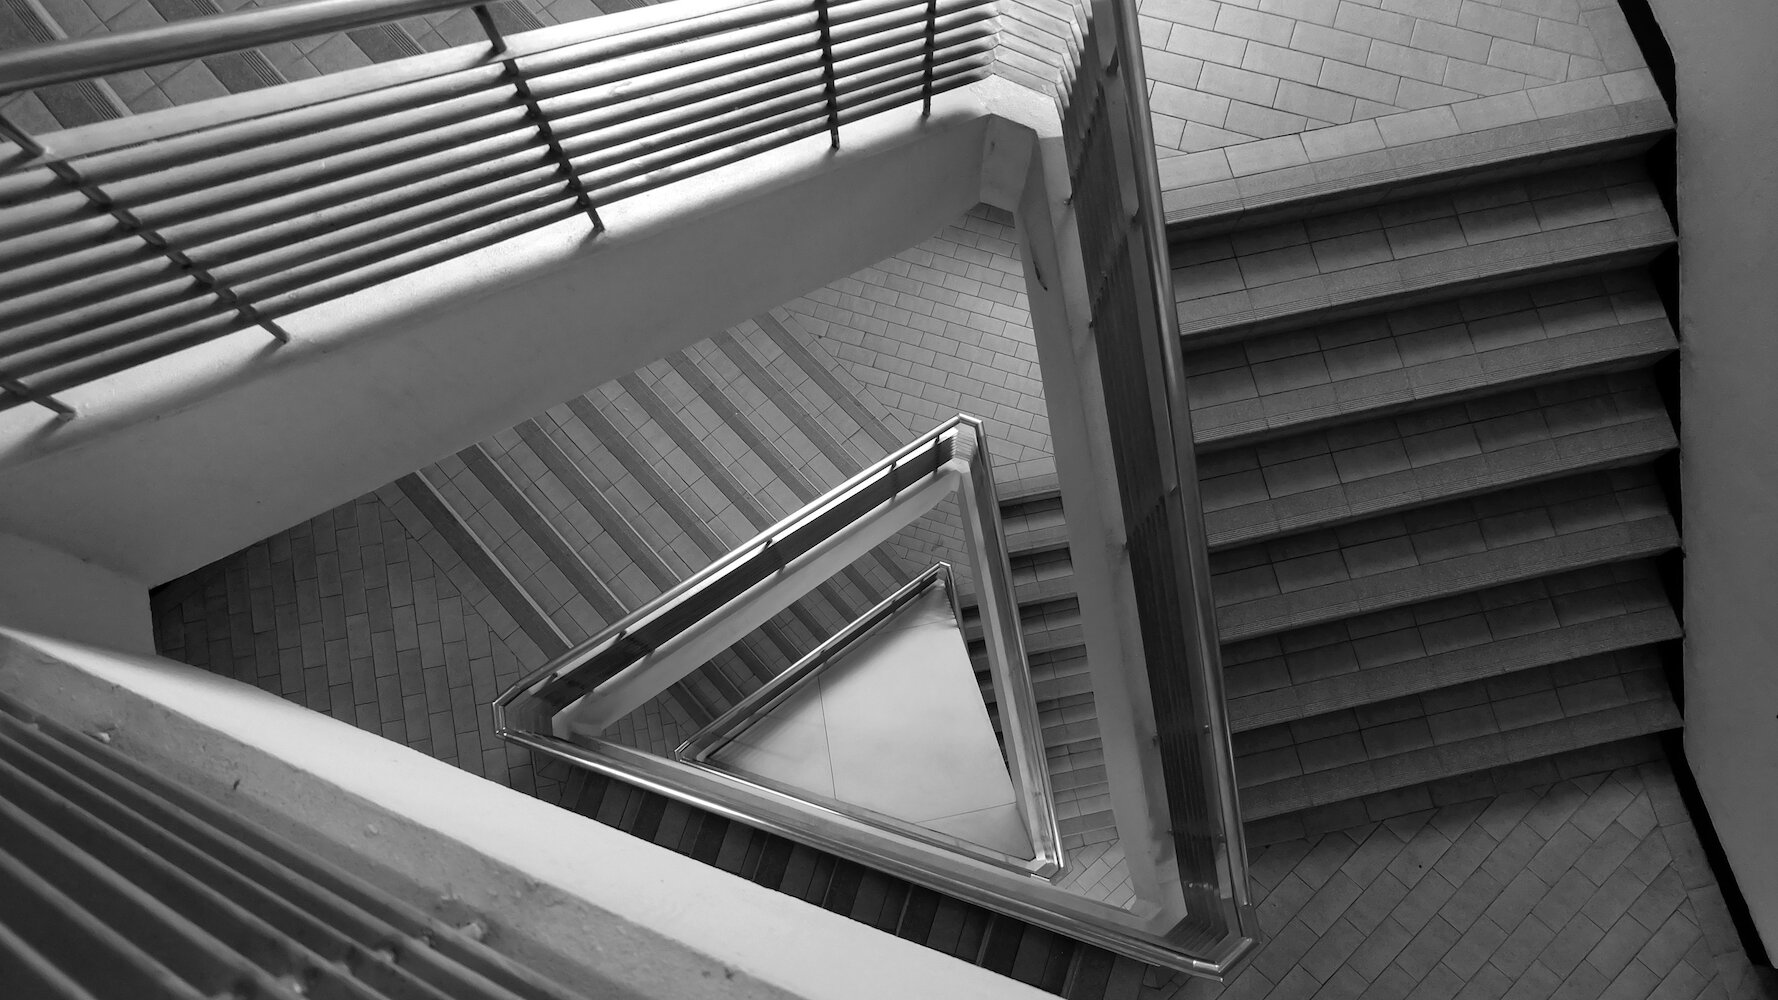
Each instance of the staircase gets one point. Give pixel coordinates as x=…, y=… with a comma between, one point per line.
x=1432, y=444
x=605, y=501
x=600, y=504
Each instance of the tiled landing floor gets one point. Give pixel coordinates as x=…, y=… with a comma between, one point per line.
x=368, y=619
x=1586, y=888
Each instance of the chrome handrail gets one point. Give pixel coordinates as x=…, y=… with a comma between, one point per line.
x=101, y=55
x=673, y=611
x=537, y=711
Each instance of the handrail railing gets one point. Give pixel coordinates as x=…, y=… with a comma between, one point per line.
x=563, y=708
x=129, y=240
x=102, y=55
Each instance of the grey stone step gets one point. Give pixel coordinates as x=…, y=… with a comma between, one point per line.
x=1452, y=731
x=534, y=552
x=1406, y=253
x=1424, y=647
x=1582, y=764
x=1357, y=470
x=1034, y=526
x=602, y=452
x=1457, y=349
x=1439, y=551
x=1047, y=626
x=1339, y=179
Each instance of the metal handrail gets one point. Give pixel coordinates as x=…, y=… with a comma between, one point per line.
x=101, y=55
x=610, y=674
x=129, y=240
x=683, y=606
x=539, y=710
x=560, y=709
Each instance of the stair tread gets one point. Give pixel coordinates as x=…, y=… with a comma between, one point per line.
x=1387, y=727
x=1200, y=196
x=1436, y=551
x=1427, y=647
x=1468, y=345
x=1349, y=472
x=1570, y=731
x=1370, y=260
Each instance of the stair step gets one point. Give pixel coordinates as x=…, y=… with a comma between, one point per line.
x=1324, y=477
x=1365, y=368
x=585, y=421
x=1046, y=628
x=1045, y=590
x=1423, y=647
x=1503, y=720
x=1403, y=253
x=1034, y=535
x=726, y=407
x=550, y=570
x=1014, y=492
x=1438, y=551
x=529, y=625
x=1582, y=765
x=1200, y=196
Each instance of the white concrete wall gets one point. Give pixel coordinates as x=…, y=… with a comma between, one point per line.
x=52, y=592
x=599, y=910
x=1728, y=233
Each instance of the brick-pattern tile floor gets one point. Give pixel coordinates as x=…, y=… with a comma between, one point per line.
x=1590, y=887
x=352, y=615
x=1251, y=86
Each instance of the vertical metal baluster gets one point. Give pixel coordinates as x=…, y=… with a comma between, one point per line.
x=31, y=148
x=534, y=114
x=62, y=410
x=827, y=74
x=931, y=55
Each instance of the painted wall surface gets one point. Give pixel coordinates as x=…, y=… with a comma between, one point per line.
x=183, y=461
x=54, y=593
x=1728, y=232
x=591, y=906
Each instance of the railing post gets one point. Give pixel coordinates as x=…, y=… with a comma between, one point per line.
x=827, y=73
x=62, y=410
x=68, y=174
x=929, y=59
x=535, y=115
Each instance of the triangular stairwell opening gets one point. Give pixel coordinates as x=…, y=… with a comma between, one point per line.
x=887, y=723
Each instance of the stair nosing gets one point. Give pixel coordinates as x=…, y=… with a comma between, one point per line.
x=1618, y=356
x=542, y=631
x=1639, y=718
x=1624, y=140
x=1602, y=459
x=1626, y=250
x=1507, y=565
x=1431, y=673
